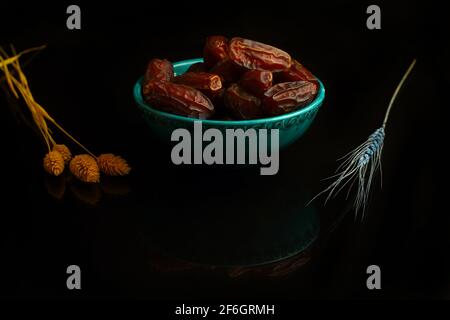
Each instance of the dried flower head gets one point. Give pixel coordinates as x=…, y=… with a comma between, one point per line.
x=113, y=165
x=85, y=168
x=54, y=163
x=64, y=151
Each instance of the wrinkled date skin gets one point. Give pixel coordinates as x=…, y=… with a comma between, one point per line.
x=256, y=55
x=241, y=104
x=256, y=81
x=228, y=71
x=208, y=83
x=197, y=67
x=215, y=50
x=178, y=99
x=200, y=80
x=297, y=72
x=287, y=96
x=158, y=69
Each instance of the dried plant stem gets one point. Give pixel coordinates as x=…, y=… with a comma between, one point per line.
x=397, y=90
x=5, y=62
x=71, y=137
x=38, y=113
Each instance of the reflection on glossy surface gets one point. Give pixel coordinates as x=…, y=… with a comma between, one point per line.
x=115, y=186
x=279, y=269
x=255, y=227
x=162, y=263
x=89, y=194
x=55, y=186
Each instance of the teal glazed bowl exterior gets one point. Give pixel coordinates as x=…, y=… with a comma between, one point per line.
x=291, y=125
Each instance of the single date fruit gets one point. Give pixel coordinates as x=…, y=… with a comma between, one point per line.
x=228, y=71
x=297, y=72
x=158, y=69
x=287, y=96
x=208, y=83
x=178, y=99
x=256, y=81
x=200, y=80
x=241, y=104
x=256, y=55
x=215, y=50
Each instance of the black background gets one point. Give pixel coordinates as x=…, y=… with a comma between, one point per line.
x=84, y=79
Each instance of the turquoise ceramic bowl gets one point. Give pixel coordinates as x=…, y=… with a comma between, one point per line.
x=291, y=125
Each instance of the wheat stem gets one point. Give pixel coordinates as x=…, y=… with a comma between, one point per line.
x=397, y=90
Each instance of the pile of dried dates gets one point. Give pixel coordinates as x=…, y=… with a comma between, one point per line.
x=239, y=79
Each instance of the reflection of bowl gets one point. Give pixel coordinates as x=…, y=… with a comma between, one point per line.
x=236, y=225
x=291, y=125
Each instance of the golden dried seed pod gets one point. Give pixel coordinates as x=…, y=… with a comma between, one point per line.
x=85, y=168
x=54, y=163
x=65, y=152
x=113, y=165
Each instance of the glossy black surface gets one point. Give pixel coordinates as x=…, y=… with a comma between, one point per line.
x=120, y=232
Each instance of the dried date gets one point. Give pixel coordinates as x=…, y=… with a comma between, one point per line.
x=256, y=55
x=287, y=96
x=256, y=81
x=208, y=83
x=158, y=69
x=215, y=50
x=297, y=72
x=200, y=80
x=228, y=71
x=178, y=99
x=241, y=104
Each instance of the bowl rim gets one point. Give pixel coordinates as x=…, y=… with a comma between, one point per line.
x=137, y=93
